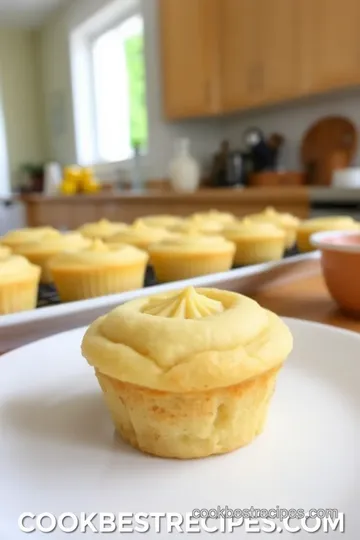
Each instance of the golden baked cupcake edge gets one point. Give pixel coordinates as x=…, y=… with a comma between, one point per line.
x=191, y=255
x=42, y=251
x=98, y=270
x=189, y=373
x=256, y=242
x=19, y=281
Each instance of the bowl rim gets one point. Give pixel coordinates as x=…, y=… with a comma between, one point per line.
x=318, y=240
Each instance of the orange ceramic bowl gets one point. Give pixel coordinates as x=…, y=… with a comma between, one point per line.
x=340, y=261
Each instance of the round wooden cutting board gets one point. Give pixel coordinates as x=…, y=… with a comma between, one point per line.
x=328, y=145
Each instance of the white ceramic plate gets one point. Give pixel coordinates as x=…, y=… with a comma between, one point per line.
x=58, y=452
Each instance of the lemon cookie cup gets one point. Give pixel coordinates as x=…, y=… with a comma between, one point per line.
x=140, y=235
x=256, y=242
x=285, y=221
x=223, y=218
x=188, y=374
x=18, y=237
x=101, y=230
x=189, y=256
x=19, y=281
x=162, y=221
x=98, y=270
x=4, y=252
x=41, y=252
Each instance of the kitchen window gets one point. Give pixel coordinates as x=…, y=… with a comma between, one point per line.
x=119, y=91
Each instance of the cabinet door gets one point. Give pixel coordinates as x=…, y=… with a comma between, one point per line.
x=260, y=52
x=190, y=57
x=280, y=49
x=330, y=38
x=241, y=74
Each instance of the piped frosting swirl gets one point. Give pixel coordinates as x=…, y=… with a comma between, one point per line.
x=186, y=304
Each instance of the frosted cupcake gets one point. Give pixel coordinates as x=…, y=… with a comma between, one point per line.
x=98, y=270
x=19, y=282
x=101, y=230
x=41, y=252
x=190, y=256
x=330, y=223
x=162, y=221
x=4, y=252
x=224, y=218
x=285, y=221
x=188, y=374
x=198, y=227
x=15, y=238
x=256, y=242
x=140, y=235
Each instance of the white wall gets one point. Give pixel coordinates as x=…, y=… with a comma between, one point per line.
x=21, y=96
x=205, y=134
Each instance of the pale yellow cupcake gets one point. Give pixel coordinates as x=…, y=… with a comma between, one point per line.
x=98, y=270
x=101, y=230
x=191, y=255
x=16, y=237
x=4, y=252
x=188, y=374
x=140, y=235
x=162, y=221
x=224, y=218
x=41, y=252
x=198, y=227
x=256, y=242
x=330, y=223
x=283, y=220
x=19, y=280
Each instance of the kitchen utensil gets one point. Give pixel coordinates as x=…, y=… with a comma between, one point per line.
x=219, y=172
x=263, y=157
x=273, y=178
x=57, y=432
x=252, y=137
x=328, y=145
x=230, y=167
x=346, y=178
x=275, y=142
x=237, y=168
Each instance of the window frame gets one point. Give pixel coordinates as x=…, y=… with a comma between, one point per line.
x=91, y=38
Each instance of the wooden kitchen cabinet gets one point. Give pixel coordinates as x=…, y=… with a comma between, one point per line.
x=189, y=33
x=330, y=44
x=259, y=52
x=240, y=52
x=223, y=56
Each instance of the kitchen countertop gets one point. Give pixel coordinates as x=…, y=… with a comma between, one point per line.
x=72, y=211
x=315, y=194
x=210, y=194
x=331, y=195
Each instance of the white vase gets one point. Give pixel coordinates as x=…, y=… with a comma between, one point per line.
x=184, y=169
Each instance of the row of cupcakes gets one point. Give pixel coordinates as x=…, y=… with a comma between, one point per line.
x=106, y=258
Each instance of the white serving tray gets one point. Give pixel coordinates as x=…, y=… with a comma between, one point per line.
x=21, y=328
